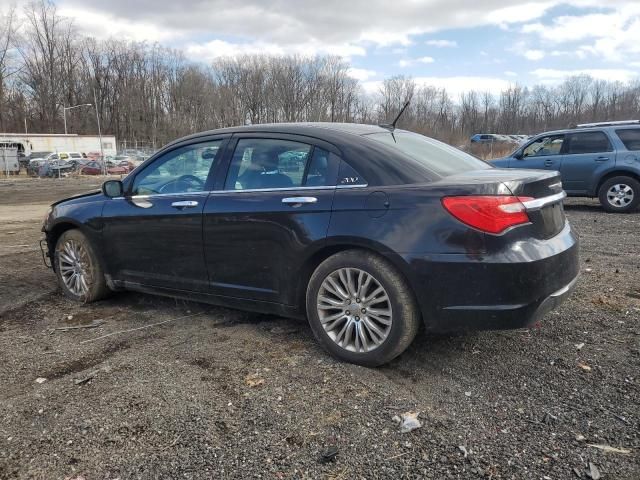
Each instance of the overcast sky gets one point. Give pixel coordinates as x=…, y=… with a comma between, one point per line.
x=459, y=44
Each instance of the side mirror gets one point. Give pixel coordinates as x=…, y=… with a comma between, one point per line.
x=518, y=155
x=113, y=188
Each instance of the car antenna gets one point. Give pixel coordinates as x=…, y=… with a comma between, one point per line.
x=392, y=126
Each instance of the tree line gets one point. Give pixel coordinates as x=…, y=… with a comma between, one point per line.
x=149, y=94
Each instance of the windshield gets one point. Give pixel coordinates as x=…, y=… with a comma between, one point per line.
x=436, y=156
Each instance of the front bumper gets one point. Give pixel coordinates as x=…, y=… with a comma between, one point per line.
x=510, y=289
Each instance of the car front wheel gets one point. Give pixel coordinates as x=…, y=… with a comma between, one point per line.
x=77, y=267
x=620, y=194
x=361, y=309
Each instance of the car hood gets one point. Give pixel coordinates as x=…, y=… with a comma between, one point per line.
x=502, y=161
x=80, y=197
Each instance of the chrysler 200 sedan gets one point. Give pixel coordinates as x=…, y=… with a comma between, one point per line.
x=367, y=231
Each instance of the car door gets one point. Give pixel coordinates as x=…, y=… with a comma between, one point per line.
x=586, y=154
x=153, y=235
x=275, y=203
x=543, y=153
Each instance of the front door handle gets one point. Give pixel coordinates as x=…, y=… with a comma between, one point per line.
x=602, y=159
x=297, y=201
x=185, y=204
x=548, y=163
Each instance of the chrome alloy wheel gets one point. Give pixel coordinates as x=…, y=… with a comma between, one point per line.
x=74, y=265
x=354, y=310
x=620, y=195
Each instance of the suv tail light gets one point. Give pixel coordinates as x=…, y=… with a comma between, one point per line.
x=489, y=213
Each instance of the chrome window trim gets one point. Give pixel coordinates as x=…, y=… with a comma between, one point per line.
x=538, y=203
x=249, y=190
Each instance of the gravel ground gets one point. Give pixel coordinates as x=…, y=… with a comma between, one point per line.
x=217, y=393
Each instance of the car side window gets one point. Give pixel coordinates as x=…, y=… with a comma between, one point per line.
x=630, y=137
x=182, y=170
x=544, y=146
x=266, y=163
x=587, y=142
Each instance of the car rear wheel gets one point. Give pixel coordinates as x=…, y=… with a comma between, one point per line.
x=78, y=269
x=361, y=309
x=620, y=194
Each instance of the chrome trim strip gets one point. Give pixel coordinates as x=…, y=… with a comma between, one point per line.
x=538, y=203
x=249, y=190
x=285, y=189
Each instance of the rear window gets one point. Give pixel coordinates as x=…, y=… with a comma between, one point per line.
x=436, y=156
x=587, y=142
x=630, y=137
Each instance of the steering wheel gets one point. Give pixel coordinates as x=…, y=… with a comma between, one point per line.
x=187, y=180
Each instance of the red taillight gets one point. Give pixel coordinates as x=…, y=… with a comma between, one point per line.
x=492, y=214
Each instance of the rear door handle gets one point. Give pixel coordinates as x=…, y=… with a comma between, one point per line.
x=185, y=204
x=602, y=159
x=297, y=201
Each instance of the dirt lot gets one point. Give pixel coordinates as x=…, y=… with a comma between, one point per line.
x=216, y=393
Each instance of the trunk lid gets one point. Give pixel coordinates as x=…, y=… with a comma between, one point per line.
x=545, y=188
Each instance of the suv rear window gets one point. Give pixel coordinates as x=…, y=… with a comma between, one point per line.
x=587, y=142
x=630, y=137
x=436, y=156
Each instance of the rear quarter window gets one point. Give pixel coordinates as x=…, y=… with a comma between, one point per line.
x=630, y=137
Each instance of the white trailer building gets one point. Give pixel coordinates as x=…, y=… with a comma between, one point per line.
x=46, y=142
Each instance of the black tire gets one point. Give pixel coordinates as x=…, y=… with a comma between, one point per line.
x=628, y=182
x=97, y=288
x=405, y=313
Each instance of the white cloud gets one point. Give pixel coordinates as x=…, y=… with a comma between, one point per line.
x=613, y=36
x=407, y=62
x=510, y=73
x=534, y=55
x=550, y=75
x=442, y=43
x=361, y=74
x=220, y=48
x=524, y=12
x=287, y=23
x=102, y=24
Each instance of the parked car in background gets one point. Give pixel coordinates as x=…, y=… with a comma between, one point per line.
x=91, y=168
x=381, y=230
x=595, y=160
x=34, y=165
x=96, y=168
x=55, y=168
x=96, y=156
x=484, y=138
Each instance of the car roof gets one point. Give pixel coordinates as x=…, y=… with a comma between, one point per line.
x=302, y=128
x=590, y=129
x=377, y=162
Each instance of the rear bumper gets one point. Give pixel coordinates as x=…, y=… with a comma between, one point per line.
x=510, y=289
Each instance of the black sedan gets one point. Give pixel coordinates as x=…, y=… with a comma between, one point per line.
x=367, y=231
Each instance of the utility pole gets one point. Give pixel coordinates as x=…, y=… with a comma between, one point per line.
x=64, y=114
x=104, y=163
